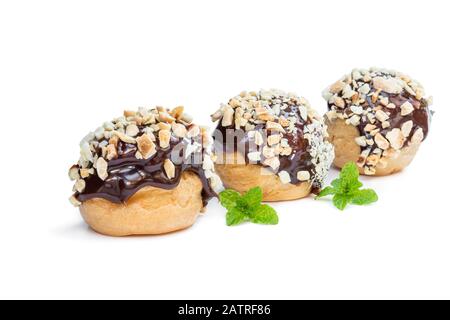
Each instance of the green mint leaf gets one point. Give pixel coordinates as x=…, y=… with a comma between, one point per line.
x=235, y=217
x=336, y=183
x=340, y=201
x=349, y=172
x=365, y=196
x=229, y=198
x=253, y=198
x=247, y=207
x=349, y=177
x=326, y=192
x=346, y=189
x=264, y=214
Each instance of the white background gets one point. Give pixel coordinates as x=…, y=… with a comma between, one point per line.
x=67, y=66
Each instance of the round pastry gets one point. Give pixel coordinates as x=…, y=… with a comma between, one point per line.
x=147, y=172
x=273, y=140
x=378, y=119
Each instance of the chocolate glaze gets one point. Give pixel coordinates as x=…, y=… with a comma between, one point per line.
x=127, y=174
x=421, y=116
x=298, y=160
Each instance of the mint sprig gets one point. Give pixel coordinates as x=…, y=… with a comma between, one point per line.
x=346, y=189
x=247, y=207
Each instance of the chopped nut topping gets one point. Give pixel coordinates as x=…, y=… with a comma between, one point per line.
x=381, y=116
x=111, y=152
x=366, y=99
x=74, y=201
x=169, y=168
x=276, y=114
x=132, y=130
x=85, y=173
x=179, y=130
x=370, y=127
x=259, y=140
x=274, y=163
x=80, y=185
x=273, y=139
x=102, y=168
x=417, y=136
x=390, y=85
x=406, y=108
x=123, y=137
x=164, y=138
x=274, y=126
x=164, y=116
x=268, y=152
x=406, y=128
x=228, y=114
x=73, y=173
x=146, y=146
x=193, y=132
x=396, y=138
x=128, y=113
x=177, y=112
x=164, y=126
x=303, y=175
x=361, y=141
x=381, y=141
x=284, y=177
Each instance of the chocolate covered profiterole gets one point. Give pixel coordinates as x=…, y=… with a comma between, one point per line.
x=147, y=172
x=378, y=119
x=273, y=140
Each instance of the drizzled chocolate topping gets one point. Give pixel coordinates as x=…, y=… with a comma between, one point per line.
x=127, y=175
x=298, y=160
x=155, y=153
x=280, y=132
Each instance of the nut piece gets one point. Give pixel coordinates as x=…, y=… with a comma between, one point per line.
x=73, y=173
x=381, y=141
x=259, y=140
x=102, y=168
x=381, y=115
x=111, y=152
x=406, y=108
x=303, y=175
x=254, y=156
x=284, y=177
x=146, y=146
x=164, y=138
x=274, y=163
x=228, y=114
x=337, y=87
x=132, y=130
x=123, y=137
x=169, y=168
x=177, y=112
x=390, y=85
x=129, y=113
x=274, y=126
x=273, y=139
x=74, y=201
x=417, y=136
x=85, y=173
x=406, y=128
x=179, y=130
x=361, y=141
x=193, y=131
x=396, y=138
x=268, y=152
x=369, y=127
x=80, y=185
